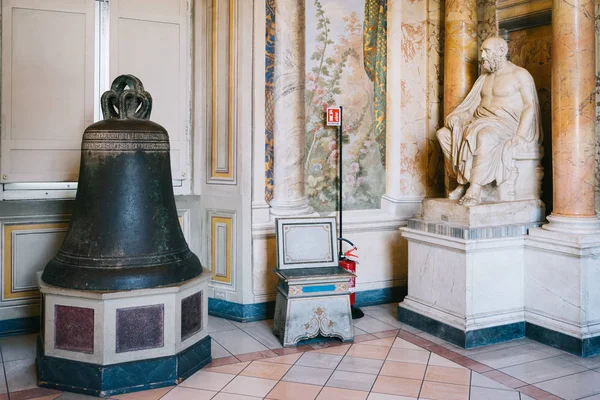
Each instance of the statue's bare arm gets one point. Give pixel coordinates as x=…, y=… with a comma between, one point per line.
x=527, y=91
x=461, y=118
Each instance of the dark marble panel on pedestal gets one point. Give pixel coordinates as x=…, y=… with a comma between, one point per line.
x=140, y=328
x=74, y=329
x=191, y=315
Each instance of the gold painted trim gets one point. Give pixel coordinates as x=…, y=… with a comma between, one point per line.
x=8, y=258
x=214, y=173
x=228, y=223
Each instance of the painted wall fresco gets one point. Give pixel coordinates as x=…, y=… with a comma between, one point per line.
x=335, y=75
x=269, y=97
x=531, y=49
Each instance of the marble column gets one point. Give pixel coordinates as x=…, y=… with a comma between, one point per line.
x=289, y=115
x=573, y=116
x=406, y=125
x=460, y=51
x=460, y=58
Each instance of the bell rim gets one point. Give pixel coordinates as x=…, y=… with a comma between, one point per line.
x=120, y=278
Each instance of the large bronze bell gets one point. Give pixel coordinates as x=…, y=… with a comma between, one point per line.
x=124, y=231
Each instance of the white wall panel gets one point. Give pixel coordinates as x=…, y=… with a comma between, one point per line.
x=47, y=87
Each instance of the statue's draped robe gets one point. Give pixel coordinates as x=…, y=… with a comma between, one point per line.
x=487, y=136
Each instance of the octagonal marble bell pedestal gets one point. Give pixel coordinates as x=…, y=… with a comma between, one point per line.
x=106, y=343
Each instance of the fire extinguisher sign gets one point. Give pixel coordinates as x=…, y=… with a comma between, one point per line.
x=333, y=116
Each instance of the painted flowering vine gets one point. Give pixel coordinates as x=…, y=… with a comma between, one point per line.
x=335, y=76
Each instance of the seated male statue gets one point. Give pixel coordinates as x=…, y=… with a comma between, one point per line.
x=499, y=116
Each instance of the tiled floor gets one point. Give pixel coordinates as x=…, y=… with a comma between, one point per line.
x=388, y=361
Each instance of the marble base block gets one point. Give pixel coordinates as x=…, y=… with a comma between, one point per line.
x=562, y=295
x=124, y=340
x=484, y=215
x=466, y=291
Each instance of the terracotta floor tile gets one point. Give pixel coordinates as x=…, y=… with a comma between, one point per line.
x=537, y=393
x=265, y=370
x=36, y=393
x=444, y=352
x=351, y=380
x=330, y=393
x=257, y=355
x=184, y=393
x=153, y=394
x=51, y=397
x=385, y=342
x=406, y=355
x=386, y=334
x=444, y=391
x=367, y=351
x=400, y=343
x=504, y=379
x=290, y=359
x=232, y=369
x=472, y=364
x=319, y=360
x=222, y=361
x=308, y=375
x=364, y=338
x=292, y=350
x=397, y=386
x=207, y=381
x=440, y=361
x=363, y=365
x=400, y=369
x=294, y=391
x=414, y=339
x=231, y=396
x=250, y=386
x=324, y=345
x=337, y=350
x=457, y=376
x=381, y=396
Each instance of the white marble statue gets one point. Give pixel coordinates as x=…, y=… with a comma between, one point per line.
x=494, y=135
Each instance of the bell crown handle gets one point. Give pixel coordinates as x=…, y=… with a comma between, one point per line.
x=126, y=99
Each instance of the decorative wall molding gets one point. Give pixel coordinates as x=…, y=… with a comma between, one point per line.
x=24, y=247
x=222, y=247
x=223, y=128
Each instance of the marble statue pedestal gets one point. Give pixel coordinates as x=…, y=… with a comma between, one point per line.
x=465, y=270
x=108, y=343
x=562, y=291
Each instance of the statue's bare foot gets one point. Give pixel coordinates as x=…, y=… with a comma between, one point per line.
x=468, y=201
x=457, y=193
x=472, y=197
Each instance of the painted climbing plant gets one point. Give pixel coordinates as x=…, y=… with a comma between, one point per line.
x=335, y=75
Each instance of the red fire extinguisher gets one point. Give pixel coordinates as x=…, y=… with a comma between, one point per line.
x=350, y=266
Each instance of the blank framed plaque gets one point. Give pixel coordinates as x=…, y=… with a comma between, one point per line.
x=306, y=242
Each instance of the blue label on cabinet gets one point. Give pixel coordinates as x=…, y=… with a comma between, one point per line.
x=322, y=288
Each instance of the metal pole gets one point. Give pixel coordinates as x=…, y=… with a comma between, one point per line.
x=341, y=253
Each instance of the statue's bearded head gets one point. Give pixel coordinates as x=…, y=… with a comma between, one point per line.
x=493, y=54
